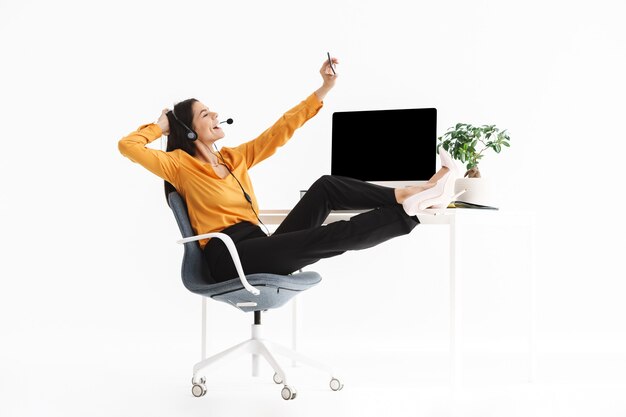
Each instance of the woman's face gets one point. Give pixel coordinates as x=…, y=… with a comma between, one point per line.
x=205, y=123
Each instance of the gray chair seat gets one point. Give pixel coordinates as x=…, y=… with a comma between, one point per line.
x=276, y=290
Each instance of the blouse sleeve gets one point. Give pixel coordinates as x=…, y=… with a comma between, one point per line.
x=158, y=162
x=280, y=132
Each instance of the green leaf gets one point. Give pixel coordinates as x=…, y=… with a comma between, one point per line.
x=465, y=142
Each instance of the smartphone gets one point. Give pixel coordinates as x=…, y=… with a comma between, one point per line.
x=331, y=63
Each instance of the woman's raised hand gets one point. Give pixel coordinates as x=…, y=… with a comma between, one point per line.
x=163, y=123
x=329, y=76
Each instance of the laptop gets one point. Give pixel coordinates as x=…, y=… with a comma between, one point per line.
x=394, y=148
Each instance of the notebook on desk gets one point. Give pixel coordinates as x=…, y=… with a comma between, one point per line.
x=389, y=147
x=464, y=204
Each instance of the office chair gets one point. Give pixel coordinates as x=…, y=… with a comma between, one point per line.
x=248, y=293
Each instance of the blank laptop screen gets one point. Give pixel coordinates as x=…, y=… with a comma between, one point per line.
x=385, y=145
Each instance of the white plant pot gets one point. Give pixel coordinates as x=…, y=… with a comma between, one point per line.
x=479, y=191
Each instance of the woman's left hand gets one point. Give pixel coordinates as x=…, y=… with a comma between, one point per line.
x=328, y=75
x=329, y=78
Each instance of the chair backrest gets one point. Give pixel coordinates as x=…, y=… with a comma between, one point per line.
x=195, y=271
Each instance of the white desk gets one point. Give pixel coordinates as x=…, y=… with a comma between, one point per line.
x=452, y=218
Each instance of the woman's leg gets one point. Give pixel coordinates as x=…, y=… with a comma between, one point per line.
x=287, y=252
x=334, y=193
x=343, y=193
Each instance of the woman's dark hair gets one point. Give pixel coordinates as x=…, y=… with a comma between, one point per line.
x=177, y=139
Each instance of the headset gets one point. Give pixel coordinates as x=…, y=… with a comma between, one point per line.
x=191, y=135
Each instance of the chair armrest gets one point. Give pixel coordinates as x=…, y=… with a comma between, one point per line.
x=233, y=253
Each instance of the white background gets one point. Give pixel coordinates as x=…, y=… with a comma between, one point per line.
x=90, y=273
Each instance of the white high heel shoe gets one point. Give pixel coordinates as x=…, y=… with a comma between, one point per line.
x=437, y=197
x=446, y=160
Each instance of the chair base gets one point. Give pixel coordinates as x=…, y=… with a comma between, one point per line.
x=259, y=347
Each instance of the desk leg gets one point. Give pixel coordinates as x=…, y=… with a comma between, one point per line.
x=533, y=309
x=294, y=327
x=455, y=310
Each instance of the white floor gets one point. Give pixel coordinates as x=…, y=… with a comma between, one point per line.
x=135, y=380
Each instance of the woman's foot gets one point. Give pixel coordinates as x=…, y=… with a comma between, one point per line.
x=438, y=196
x=403, y=193
x=447, y=166
x=417, y=203
x=406, y=192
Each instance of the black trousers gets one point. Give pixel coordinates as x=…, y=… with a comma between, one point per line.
x=301, y=240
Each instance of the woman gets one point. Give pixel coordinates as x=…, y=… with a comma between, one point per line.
x=220, y=198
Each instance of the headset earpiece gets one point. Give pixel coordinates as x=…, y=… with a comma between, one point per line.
x=191, y=135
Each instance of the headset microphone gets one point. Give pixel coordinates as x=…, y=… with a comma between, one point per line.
x=228, y=121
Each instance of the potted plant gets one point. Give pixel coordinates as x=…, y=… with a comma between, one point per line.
x=468, y=144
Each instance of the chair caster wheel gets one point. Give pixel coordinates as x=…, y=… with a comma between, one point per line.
x=198, y=390
x=288, y=393
x=277, y=379
x=336, y=385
